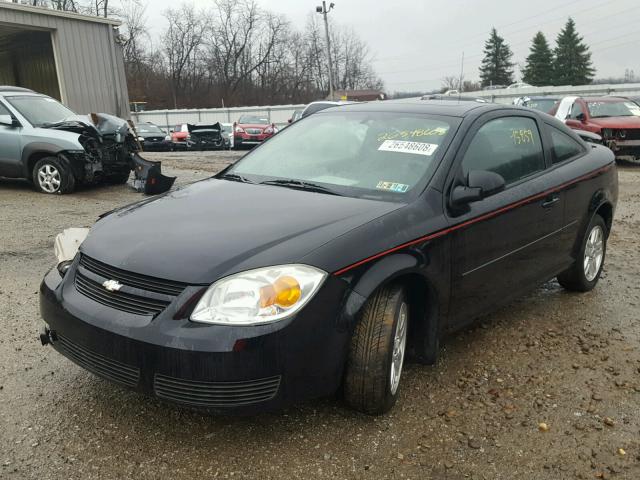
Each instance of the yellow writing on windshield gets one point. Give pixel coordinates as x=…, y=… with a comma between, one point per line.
x=416, y=133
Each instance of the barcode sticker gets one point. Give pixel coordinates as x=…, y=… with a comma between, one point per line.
x=400, y=146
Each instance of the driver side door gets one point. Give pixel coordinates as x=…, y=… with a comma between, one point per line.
x=10, y=147
x=507, y=242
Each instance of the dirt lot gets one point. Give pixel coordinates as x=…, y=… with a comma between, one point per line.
x=548, y=388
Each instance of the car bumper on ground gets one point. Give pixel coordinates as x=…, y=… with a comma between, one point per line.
x=212, y=367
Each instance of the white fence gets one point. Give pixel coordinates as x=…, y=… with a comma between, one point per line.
x=507, y=95
x=168, y=119
x=279, y=114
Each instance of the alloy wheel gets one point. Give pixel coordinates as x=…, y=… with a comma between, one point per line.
x=49, y=178
x=399, y=347
x=593, y=253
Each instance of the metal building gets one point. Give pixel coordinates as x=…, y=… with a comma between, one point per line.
x=74, y=58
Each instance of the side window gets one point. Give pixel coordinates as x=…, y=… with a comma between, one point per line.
x=509, y=146
x=563, y=146
x=576, y=110
x=4, y=110
x=178, y=128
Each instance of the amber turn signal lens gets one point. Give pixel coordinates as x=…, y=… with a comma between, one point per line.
x=284, y=292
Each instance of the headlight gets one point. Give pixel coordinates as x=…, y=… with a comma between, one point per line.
x=63, y=267
x=259, y=296
x=141, y=139
x=167, y=138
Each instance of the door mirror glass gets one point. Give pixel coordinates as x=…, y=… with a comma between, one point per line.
x=6, y=120
x=480, y=184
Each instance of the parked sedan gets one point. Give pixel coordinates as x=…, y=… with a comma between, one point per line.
x=251, y=130
x=324, y=257
x=152, y=137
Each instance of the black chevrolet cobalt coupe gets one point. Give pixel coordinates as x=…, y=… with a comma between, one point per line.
x=324, y=258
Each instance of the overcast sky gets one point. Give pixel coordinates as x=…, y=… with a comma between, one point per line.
x=414, y=43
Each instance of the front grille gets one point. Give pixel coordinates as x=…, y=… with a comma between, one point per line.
x=102, y=366
x=119, y=300
x=154, y=139
x=632, y=134
x=253, y=131
x=136, y=280
x=216, y=394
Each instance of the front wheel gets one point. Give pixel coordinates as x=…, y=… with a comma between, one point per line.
x=50, y=175
x=377, y=352
x=585, y=272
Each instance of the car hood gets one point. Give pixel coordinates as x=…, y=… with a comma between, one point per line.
x=216, y=227
x=617, y=122
x=253, y=125
x=96, y=124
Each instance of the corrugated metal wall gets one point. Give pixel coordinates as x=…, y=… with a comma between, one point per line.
x=89, y=64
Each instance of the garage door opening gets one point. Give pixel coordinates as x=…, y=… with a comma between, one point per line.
x=26, y=60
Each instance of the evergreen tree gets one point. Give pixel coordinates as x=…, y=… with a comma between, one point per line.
x=497, y=67
x=572, y=64
x=539, y=68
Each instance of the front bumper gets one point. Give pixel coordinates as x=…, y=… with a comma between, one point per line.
x=150, y=146
x=246, y=139
x=217, y=368
x=625, y=149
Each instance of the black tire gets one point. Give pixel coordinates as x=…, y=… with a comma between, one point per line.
x=117, y=178
x=51, y=175
x=367, y=382
x=575, y=279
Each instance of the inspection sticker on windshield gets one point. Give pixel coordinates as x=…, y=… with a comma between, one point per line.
x=393, y=187
x=401, y=146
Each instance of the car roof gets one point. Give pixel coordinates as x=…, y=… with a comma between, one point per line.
x=603, y=99
x=12, y=89
x=450, y=108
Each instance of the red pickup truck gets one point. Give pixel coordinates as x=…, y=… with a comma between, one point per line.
x=615, y=119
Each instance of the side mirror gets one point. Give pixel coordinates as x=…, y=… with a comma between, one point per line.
x=480, y=184
x=582, y=117
x=8, y=120
x=290, y=120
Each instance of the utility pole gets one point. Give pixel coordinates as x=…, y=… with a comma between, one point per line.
x=461, y=74
x=324, y=11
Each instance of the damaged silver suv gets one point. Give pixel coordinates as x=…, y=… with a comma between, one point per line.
x=43, y=141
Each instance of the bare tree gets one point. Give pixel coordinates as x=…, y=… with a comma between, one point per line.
x=181, y=41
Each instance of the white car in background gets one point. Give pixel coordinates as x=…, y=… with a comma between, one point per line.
x=227, y=129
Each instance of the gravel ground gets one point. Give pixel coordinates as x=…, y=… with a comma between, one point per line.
x=547, y=388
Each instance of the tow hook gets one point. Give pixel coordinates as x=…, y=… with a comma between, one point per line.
x=48, y=336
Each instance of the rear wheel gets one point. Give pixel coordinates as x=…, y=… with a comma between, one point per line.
x=50, y=175
x=585, y=272
x=377, y=352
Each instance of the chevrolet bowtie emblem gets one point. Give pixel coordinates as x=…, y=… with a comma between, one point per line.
x=112, y=285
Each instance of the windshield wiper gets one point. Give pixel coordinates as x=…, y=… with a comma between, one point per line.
x=234, y=177
x=299, y=184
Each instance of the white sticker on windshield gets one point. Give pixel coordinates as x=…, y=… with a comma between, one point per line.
x=400, y=146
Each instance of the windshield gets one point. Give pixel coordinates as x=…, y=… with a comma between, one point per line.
x=40, y=110
x=613, y=109
x=544, y=105
x=147, y=128
x=372, y=154
x=254, y=119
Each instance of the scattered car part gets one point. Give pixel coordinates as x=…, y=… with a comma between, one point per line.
x=148, y=176
x=66, y=244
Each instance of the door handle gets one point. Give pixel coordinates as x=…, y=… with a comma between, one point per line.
x=550, y=201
